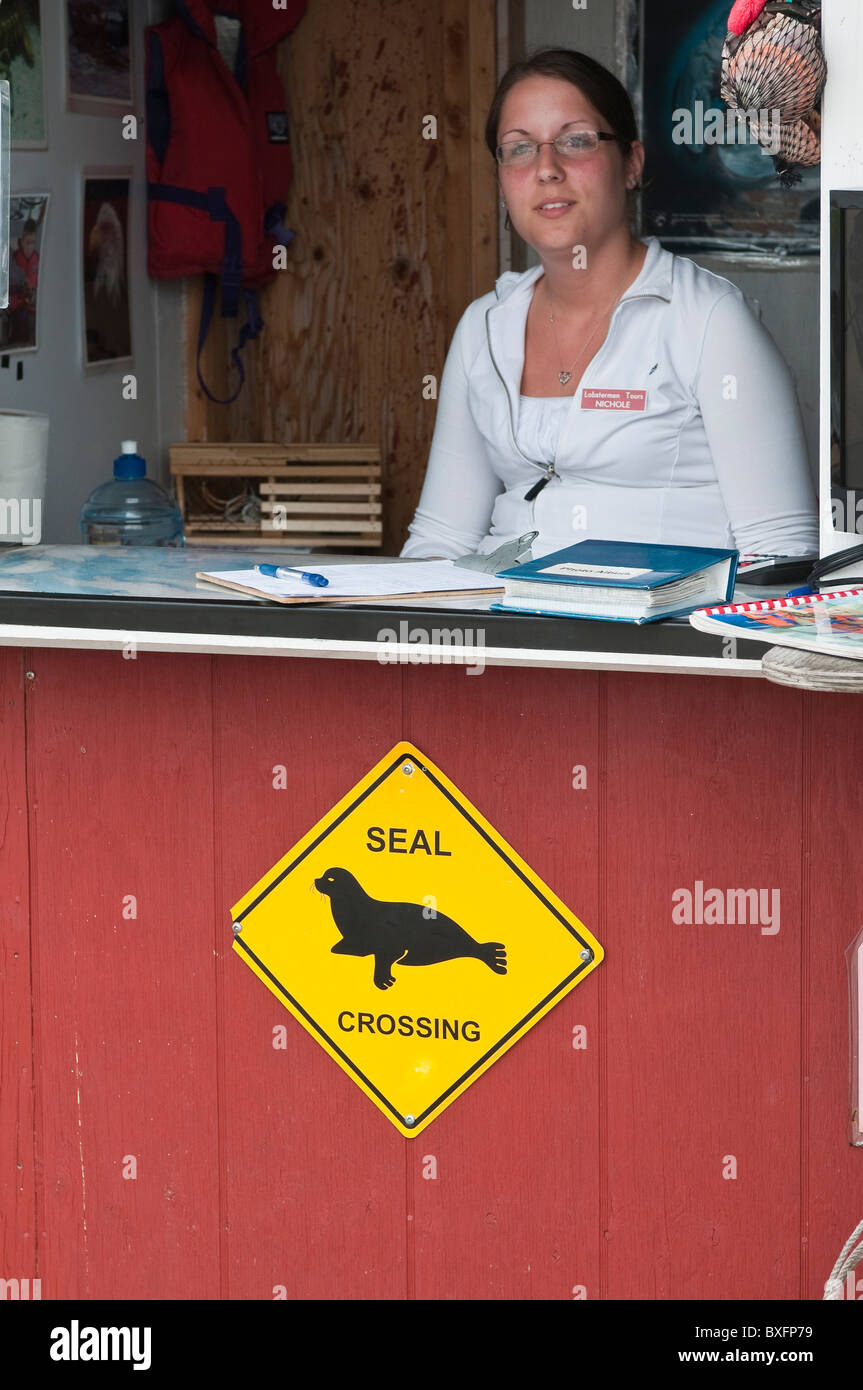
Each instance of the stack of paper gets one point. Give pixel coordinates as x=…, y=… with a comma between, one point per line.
x=352, y=583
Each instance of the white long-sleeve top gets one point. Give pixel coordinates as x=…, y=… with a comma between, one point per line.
x=716, y=456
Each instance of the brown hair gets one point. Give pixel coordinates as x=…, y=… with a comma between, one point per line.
x=600, y=86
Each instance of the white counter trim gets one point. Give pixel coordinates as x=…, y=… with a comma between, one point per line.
x=115, y=639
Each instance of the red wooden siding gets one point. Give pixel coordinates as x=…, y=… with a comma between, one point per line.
x=17, y=1164
x=560, y=1168
x=125, y=1011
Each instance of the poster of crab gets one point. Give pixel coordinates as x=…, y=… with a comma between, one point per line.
x=738, y=175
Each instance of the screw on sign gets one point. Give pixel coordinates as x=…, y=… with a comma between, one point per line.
x=410, y=939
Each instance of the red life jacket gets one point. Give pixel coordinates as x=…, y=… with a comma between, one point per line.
x=218, y=151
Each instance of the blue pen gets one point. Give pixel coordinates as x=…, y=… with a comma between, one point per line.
x=798, y=593
x=285, y=572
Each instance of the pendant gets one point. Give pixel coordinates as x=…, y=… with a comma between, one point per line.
x=563, y=377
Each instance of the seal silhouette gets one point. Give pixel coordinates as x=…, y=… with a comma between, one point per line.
x=398, y=932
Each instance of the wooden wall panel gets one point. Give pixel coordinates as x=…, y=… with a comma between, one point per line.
x=18, y=1230
x=559, y=1168
x=470, y=190
x=121, y=803
x=396, y=234
x=830, y=857
x=513, y=1211
x=314, y=1173
x=703, y=1021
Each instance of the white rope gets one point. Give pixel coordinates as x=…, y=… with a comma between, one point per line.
x=848, y=1260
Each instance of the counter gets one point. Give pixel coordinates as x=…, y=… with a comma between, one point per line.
x=90, y=597
x=674, y=1128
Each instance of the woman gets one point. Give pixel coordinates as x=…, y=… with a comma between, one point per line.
x=615, y=390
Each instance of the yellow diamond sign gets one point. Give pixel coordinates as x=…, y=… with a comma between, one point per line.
x=410, y=939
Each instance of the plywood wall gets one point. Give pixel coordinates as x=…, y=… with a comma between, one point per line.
x=396, y=234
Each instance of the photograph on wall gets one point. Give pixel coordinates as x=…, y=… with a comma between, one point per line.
x=98, y=57
x=21, y=64
x=19, y=322
x=709, y=184
x=107, y=318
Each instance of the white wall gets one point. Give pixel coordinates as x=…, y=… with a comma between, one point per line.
x=88, y=416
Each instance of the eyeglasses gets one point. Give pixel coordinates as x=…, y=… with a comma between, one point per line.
x=573, y=145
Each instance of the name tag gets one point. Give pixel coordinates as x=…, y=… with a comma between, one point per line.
x=594, y=399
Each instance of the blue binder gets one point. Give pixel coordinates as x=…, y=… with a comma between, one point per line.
x=616, y=572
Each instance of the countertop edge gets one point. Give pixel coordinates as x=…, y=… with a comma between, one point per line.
x=385, y=653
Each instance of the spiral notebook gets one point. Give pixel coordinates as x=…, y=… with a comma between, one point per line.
x=830, y=622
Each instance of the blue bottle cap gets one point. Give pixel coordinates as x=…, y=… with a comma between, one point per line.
x=129, y=464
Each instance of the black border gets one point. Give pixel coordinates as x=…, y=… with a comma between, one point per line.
x=328, y=622
x=841, y=201
x=435, y=1105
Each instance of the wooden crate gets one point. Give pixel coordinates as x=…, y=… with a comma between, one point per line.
x=325, y=496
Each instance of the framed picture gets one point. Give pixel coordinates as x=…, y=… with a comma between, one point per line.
x=98, y=57
x=104, y=268
x=19, y=323
x=709, y=186
x=22, y=65
x=846, y=353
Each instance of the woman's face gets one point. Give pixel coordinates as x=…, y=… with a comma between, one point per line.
x=594, y=185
